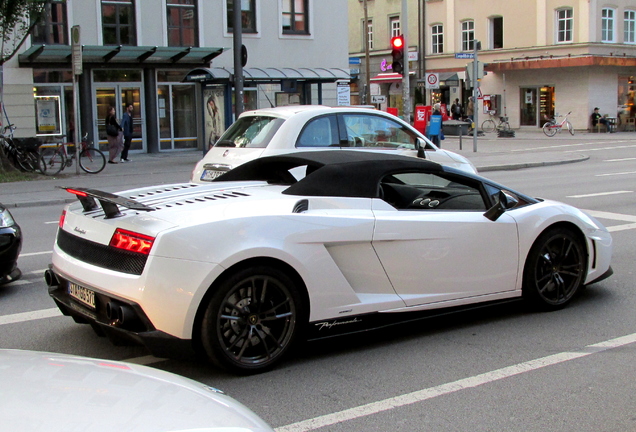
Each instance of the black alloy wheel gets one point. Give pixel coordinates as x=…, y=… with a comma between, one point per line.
x=555, y=269
x=252, y=320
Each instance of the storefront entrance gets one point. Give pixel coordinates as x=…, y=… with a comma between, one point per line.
x=118, y=95
x=537, y=105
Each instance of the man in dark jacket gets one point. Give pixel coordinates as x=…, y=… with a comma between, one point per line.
x=127, y=126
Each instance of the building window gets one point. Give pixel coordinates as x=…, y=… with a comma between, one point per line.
x=630, y=26
x=248, y=15
x=496, y=32
x=182, y=23
x=468, y=35
x=394, y=26
x=437, y=39
x=370, y=33
x=607, y=25
x=52, y=28
x=295, y=17
x=118, y=22
x=564, y=25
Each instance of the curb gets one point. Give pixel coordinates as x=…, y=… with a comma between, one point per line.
x=511, y=167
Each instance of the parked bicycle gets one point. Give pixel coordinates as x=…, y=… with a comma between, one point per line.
x=24, y=159
x=489, y=125
x=56, y=157
x=551, y=127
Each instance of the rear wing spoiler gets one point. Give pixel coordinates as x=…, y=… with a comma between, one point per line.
x=108, y=201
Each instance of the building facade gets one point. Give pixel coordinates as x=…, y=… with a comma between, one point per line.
x=541, y=57
x=173, y=60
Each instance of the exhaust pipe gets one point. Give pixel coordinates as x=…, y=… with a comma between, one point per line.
x=120, y=314
x=51, y=278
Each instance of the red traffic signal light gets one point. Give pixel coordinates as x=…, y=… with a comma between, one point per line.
x=397, y=52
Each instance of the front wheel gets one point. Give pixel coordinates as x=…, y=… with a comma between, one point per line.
x=555, y=269
x=92, y=160
x=550, y=128
x=570, y=127
x=252, y=320
x=488, y=126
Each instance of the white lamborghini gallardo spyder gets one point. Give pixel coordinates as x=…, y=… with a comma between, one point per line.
x=243, y=267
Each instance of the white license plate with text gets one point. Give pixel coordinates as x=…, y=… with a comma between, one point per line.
x=81, y=294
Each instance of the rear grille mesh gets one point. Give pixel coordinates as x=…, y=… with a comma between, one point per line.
x=101, y=255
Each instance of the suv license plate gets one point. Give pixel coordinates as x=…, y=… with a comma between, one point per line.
x=81, y=294
x=209, y=175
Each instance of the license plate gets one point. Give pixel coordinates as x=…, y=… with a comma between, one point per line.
x=209, y=175
x=81, y=294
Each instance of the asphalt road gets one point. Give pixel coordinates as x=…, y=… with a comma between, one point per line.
x=489, y=369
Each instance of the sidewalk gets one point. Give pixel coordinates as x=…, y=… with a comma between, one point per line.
x=527, y=149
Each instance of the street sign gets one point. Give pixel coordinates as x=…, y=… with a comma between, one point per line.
x=378, y=99
x=432, y=80
x=464, y=55
x=76, y=48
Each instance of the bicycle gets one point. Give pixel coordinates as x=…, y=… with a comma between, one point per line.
x=551, y=127
x=23, y=159
x=91, y=159
x=489, y=125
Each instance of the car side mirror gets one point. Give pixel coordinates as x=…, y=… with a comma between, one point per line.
x=504, y=202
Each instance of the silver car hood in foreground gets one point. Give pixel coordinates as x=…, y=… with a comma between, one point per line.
x=56, y=392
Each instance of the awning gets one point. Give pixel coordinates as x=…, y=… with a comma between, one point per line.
x=122, y=54
x=388, y=77
x=264, y=75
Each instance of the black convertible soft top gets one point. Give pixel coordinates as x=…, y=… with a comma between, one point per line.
x=330, y=173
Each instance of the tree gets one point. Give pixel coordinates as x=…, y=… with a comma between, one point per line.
x=17, y=19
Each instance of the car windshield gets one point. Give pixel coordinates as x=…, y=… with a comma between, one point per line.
x=250, y=131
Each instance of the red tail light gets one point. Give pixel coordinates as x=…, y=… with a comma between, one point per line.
x=62, y=218
x=132, y=241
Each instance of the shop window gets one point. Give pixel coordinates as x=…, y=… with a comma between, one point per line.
x=629, y=35
x=182, y=23
x=295, y=16
x=52, y=29
x=437, y=39
x=177, y=125
x=248, y=15
x=607, y=25
x=468, y=35
x=565, y=23
x=118, y=22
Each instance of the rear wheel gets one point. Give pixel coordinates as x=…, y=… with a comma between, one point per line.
x=555, y=268
x=252, y=320
x=53, y=159
x=504, y=126
x=92, y=160
x=488, y=125
x=570, y=127
x=550, y=128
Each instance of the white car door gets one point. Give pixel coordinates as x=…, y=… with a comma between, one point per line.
x=439, y=254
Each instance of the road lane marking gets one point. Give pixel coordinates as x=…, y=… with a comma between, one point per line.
x=453, y=387
x=599, y=194
x=615, y=174
x=29, y=316
x=621, y=227
x=610, y=215
x=37, y=272
x=52, y=222
x=35, y=253
x=620, y=160
x=19, y=282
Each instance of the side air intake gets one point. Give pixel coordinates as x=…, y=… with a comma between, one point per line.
x=301, y=206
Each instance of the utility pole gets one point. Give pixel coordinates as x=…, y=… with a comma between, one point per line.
x=406, y=86
x=238, y=66
x=476, y=79
x=367, y=60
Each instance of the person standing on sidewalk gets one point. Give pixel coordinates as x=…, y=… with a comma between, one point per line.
x=114, y=135
x=127, y=126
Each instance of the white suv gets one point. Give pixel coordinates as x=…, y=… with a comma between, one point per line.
x=273, y=131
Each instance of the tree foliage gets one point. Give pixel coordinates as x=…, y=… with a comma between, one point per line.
x=17, y=18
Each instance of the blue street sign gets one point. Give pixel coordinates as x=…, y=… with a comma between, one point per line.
x=354, y=60
x=464, y=55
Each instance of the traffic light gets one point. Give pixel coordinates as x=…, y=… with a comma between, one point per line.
x=397, y=52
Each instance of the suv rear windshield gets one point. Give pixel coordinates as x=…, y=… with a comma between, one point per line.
x=251, y=131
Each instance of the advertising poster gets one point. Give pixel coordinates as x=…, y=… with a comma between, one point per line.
x=48, y=119
x=214, y=115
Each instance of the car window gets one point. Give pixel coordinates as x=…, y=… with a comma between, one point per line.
x=367, y=130
x=427, y=191
x=250, y=131
x=319, y=132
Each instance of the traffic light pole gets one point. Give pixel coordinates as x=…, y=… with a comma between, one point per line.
x=475, y=93
x=238, y=66
x=406, y=86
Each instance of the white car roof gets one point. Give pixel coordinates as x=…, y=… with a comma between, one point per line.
x=291, y=110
